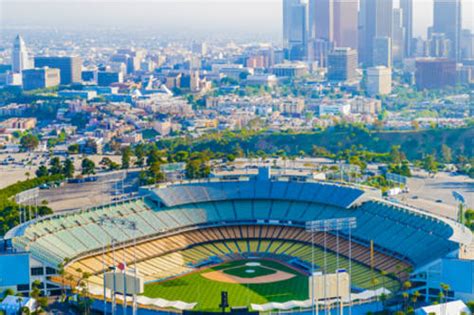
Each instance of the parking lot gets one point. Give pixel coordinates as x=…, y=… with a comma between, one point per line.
x=108, y=187
x=434, y=194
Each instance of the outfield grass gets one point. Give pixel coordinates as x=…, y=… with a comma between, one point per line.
x=195, y=288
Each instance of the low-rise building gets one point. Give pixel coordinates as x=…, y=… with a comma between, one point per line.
x=40, y=78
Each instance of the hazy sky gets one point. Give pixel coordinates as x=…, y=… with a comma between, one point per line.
x=233, y=16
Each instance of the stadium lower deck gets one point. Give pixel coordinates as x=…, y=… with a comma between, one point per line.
x=172, y=256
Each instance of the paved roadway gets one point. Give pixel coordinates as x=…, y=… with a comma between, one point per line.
x=434, y=194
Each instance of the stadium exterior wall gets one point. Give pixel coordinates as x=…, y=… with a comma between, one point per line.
x=361, y=309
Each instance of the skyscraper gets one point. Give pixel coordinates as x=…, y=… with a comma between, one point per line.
x=375, y=21
x=296, y=43
x=447, y=20
x=70, y=67
x=345, y=23
x=398, y=36
x=20, y=59
x=438, y=45
x=287, y=4
x=321, y=19
x=407, y=14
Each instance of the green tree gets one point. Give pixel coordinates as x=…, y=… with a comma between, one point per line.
x=140, y=153
x=430, y=164
x=155, y=172
x=126, y=157
x=88, y=167
x=154, y=155
x=181, y=156
x=29, y=142
x=470, y=304
x=197, y=168
x=109, y=164
x=355, y=160
x=68, y=168
x=8, y=292
x=55, y=167
x=42, y=171
x=396, y=156
x=73, y=148
x=446, y=153
x=41, y=301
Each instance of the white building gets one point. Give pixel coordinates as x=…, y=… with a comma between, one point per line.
x=334, y=109
x=379, y=81
x=20, y=60
x=454, y=308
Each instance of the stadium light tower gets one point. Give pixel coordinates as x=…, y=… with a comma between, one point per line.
x=462, y=202
x=26, y=200
x=326, y=226
x=129, y=225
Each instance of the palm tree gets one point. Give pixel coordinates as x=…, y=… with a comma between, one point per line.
x=405, y=300
x=19, y=300
x=445, y=288
x=8, y=292
x=406, y=286
x=414, y=297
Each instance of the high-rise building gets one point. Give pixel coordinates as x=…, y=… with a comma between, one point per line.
x=467, y=44
x=318, y=50
x=375, y=21
x=342, y=64
x=407, y=17
x=321, y=19
x=398, y=36
x=435, y=73
x=379, y=81
x=70, y=67
x=297, y=32
x=382, y=55
x=20, y=60
x=332, y=23
x=439, y=46
x=346, y=23
x=40, y=78
x=287, y=4
x=447, y=20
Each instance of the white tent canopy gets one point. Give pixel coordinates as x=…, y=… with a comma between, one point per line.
x=451, y=308
x=12, y=304
x=143, y=300
x=365, y=295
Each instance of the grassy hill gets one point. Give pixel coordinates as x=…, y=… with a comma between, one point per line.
x=415, y=144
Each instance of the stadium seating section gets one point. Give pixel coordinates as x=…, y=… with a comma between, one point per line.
x=318, y=192
x=168, y=257
x=397, y=232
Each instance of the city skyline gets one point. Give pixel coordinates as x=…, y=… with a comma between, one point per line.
x=227, y=16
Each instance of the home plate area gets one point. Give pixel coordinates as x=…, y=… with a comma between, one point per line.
x=246, y=272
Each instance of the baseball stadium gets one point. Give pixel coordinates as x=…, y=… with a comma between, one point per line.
x=247, y=236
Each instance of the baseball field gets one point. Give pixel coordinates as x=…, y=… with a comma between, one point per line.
x=246, y=281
